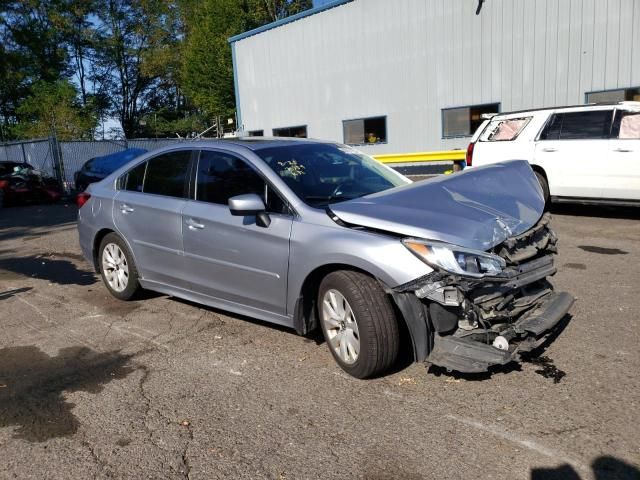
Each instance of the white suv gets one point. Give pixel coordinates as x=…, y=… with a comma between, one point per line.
x=585, y=154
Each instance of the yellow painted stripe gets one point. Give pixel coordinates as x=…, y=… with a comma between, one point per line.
x=440, y=156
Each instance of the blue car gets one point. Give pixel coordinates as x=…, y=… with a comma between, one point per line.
x=98, y=168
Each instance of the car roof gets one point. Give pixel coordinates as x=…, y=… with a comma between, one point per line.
x=584, y=106
x=257, y=143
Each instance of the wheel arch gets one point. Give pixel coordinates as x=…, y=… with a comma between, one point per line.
x=97, y=239
x=540, y=170
x=305, y=319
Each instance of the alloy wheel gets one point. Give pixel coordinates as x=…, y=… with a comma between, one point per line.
x=341, y=326
x=115, y=267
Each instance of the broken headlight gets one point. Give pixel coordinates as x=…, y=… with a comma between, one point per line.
x=454, y=259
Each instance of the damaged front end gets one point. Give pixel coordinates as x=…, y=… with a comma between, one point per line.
x=486, y=309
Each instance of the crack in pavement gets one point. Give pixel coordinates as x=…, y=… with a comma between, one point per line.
x=183, y=453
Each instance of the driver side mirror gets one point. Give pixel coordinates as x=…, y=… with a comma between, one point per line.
x=250, y=204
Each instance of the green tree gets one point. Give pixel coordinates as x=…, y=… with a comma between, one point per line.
x=54, y=107
x=31, y=49
x=159, y=66
x=207, y=72
x=266, y=11
x=125, y=37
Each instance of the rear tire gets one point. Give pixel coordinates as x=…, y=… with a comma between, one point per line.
x=118, y=270
x=355, y=311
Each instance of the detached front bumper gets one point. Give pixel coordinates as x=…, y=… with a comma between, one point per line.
x=457, y=352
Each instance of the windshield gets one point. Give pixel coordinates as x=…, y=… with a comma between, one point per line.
x=321, y=174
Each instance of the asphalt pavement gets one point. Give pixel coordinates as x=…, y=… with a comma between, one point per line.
x=91, y=387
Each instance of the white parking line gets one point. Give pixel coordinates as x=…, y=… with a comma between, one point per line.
x=523, y=441
x=75, y=335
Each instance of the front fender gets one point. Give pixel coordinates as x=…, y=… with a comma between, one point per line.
x=382, y=256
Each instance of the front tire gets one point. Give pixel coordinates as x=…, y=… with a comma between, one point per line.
x=118, y=270
x=358, y=322
x=545, y=186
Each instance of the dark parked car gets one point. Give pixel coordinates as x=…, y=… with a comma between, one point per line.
x=98, y=168
x=8, y=167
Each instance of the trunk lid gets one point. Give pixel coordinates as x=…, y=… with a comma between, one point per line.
x=477, y=208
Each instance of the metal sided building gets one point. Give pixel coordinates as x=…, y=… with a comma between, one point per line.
x=399, y=76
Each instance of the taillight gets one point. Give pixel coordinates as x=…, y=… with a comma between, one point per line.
x=3, y=184
x=469, y=156
x=82, y=198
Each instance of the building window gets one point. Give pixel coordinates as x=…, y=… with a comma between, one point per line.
x=464, y=121
x=256, y=133
x=300, y=132
x=364, y=131
x=614, y=96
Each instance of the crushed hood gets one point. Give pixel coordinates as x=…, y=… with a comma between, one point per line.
x=477, y=208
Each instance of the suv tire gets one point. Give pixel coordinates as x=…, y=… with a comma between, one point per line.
x=358, y=322
x=545, y=186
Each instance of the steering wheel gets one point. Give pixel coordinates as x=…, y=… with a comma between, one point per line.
x=336, y=190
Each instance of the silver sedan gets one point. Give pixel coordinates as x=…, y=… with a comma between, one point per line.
x=312, y=234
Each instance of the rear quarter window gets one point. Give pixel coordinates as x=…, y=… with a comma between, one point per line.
x=626, y=125
x=133, y=179
x=504, y=130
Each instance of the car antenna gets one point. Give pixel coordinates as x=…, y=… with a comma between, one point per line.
x=205, y=131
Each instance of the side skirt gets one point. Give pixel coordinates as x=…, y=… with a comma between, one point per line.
x=617, y=202
x=217, y=303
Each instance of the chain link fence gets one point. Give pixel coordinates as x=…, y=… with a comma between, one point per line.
x=62, y=159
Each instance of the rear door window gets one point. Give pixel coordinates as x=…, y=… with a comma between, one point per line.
x=166, y=174
x=585, y=125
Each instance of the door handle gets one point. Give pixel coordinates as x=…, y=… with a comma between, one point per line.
x=193, y=225
x=124, y=208
x=623, y=150
x=549, y=149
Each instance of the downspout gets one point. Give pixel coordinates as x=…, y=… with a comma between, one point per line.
x=239, y=126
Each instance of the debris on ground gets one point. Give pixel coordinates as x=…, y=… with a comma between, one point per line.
x=406, y=381
x=548, y=369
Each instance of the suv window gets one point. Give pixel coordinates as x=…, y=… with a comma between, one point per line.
x=626, y=125
x=166, y=174
x=504, y=130
x=588, y=124
x=221, y=176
